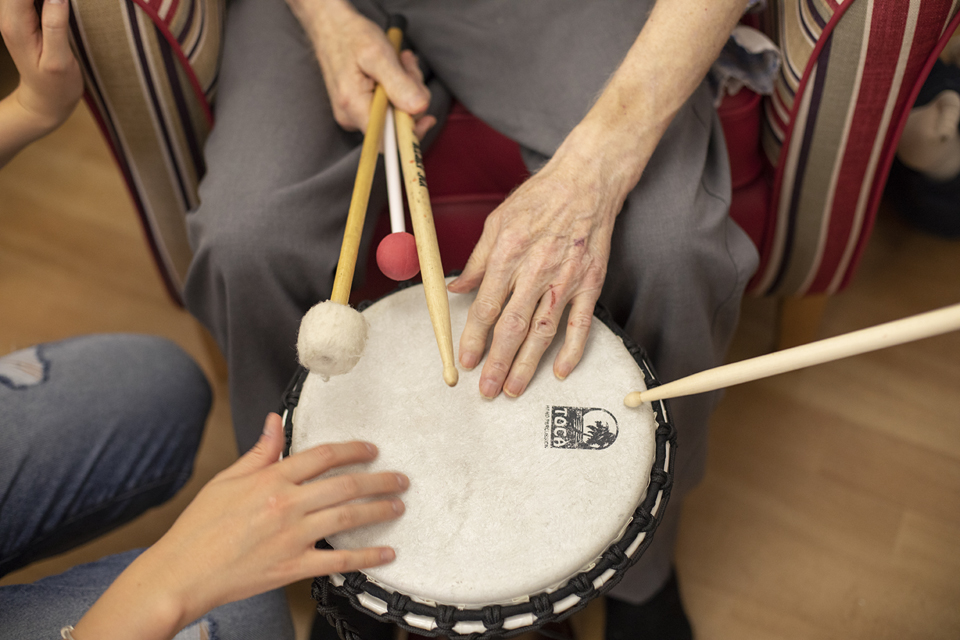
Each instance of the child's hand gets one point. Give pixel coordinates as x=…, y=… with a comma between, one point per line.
x=50, y=79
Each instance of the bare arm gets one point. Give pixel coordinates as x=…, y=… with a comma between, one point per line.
x=50, y=80
x=547, y=246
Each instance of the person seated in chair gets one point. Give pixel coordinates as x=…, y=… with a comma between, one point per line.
x=627, y=204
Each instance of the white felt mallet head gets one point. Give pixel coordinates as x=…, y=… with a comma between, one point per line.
x=331, y=339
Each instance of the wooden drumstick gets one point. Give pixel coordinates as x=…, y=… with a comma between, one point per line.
x=428, y=249
x=924, y=325
x=364, y=181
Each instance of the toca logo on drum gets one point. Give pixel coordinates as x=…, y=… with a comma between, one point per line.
x=579, y=428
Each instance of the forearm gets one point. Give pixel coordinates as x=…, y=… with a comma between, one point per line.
x=317, y=16
x=664, y=66
x=139, y=604
x=18, y=127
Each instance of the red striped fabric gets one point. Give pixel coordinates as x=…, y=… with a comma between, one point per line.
x=950, y=16
x=824, y=215
x=886, y=35
x=152, y=101
x=152, y=10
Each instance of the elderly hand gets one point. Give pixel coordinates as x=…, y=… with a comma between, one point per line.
x=545, y=248
x=354, y=56
x=50, y=80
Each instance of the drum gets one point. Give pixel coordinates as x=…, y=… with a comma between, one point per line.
x=520, y=510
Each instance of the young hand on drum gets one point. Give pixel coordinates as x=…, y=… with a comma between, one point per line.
x=50, y=80
x=251, y=529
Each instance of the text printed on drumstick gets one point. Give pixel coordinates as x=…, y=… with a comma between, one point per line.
x=418, y=158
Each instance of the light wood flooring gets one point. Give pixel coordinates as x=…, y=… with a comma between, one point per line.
x=831, y=504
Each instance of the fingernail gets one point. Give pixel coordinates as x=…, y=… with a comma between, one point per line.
x=372, y=449
x=386, y=555
x=513, y=388
x=398, y=506
x=561, y=372
x=489, y=388
x=402, y=480
x=468, y=360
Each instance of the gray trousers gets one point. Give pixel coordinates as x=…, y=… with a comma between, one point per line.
x=280, y=174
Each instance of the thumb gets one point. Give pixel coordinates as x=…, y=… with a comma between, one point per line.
x=405, y=91
x=56, y=53
x=473, y=272
x=263, y=454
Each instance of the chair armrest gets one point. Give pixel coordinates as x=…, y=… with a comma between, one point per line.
x=150, y=71
x=849, y=76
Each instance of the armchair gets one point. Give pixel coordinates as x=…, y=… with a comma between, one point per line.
x=809, y=162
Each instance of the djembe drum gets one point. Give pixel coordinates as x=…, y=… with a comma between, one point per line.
x=520, y=510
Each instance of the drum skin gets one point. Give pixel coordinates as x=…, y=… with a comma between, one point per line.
x=508, y=497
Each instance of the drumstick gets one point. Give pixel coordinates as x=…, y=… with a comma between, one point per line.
x=924, y=325
x=428, y=249
x=363, y=182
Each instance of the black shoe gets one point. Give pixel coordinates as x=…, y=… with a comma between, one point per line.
x=661, y=617
x=369, y=628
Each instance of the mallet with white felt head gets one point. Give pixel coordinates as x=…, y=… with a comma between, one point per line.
x=332, y=334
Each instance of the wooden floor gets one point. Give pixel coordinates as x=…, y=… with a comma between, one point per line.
x=831, y=505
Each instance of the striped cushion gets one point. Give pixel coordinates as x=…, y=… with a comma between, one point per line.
x=151, y=70
x=850, y=74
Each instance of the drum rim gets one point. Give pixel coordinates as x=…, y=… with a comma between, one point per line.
x=645, y=519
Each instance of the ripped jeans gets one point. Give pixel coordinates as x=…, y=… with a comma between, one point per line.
x=95, y=430
x=39, y=610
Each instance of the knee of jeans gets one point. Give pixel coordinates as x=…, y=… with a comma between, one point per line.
x=161, y=374
x=180, y=377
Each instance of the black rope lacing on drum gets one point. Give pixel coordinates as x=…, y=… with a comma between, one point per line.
x=321, y=591
x=583, y=586
x=445, y=618
x=397, y=606
x=493, y=618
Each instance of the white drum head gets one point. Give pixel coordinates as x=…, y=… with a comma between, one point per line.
x=508, y=497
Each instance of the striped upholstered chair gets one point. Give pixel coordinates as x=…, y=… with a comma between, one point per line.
x=851, y=73
x=809, y=163
x=151, y=71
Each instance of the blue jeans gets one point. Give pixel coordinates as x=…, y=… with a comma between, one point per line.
x=95, y=430
x=37, y=611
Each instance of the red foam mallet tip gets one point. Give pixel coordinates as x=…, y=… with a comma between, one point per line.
x=397, y=256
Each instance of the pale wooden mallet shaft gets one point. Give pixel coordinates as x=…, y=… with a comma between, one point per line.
x=366, y=169
x=428, y=249
x=889, y=334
